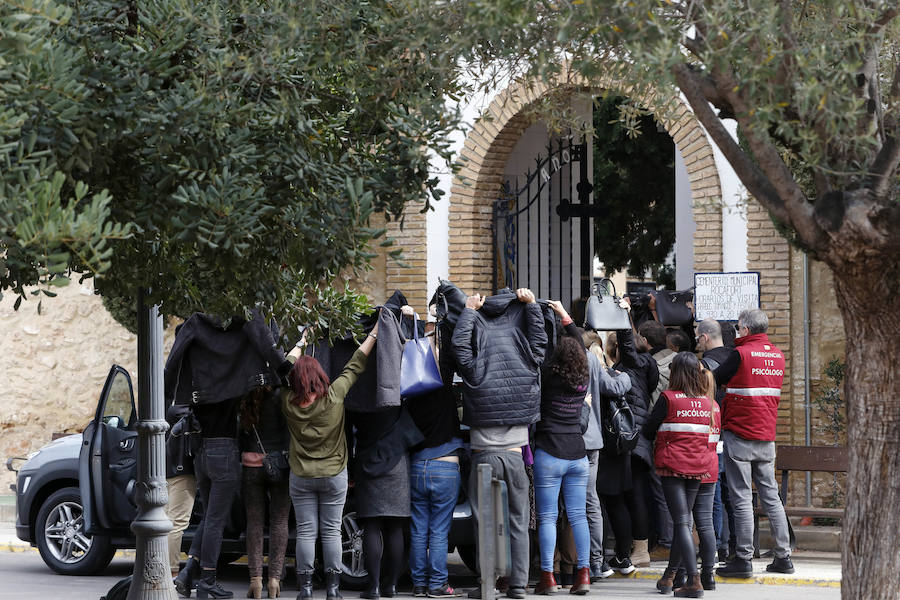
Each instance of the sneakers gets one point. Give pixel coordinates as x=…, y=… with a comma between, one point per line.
x=476, y=593
x=445, y=591
x=600, y=571
x=420, y=591
x=622, y=566
x=781, y=565
x=736, y=567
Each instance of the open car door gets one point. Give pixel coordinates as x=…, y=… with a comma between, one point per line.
x=107, y=468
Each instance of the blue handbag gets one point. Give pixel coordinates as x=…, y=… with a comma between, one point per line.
x=419, y=373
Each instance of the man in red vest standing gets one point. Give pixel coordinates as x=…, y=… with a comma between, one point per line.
x=753, y=374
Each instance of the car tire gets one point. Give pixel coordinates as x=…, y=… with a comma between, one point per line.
x=353, y=571
x=60, y=538
x=469, y=558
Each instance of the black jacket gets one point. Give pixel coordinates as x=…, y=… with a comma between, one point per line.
x=644, y=374
x=210, y=363
x=499, y=350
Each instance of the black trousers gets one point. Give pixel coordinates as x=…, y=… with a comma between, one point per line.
x=680, y=495
x=218, y=469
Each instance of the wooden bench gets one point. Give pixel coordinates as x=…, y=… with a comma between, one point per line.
x=829, y=459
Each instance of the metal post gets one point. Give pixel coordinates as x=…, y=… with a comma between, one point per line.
x=486, y=557
x=806, y=407
x=152, y=579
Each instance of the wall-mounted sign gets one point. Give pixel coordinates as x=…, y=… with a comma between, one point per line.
x=722, y=296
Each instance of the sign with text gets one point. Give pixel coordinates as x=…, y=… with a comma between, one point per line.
x=722, y=296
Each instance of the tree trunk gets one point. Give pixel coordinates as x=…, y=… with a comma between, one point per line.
x=868, y=295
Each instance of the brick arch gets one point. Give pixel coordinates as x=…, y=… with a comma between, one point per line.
x=486, y=151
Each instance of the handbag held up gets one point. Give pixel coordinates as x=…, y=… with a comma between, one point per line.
x=419, y=372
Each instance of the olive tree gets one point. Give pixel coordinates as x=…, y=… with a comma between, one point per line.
x=213, y=156
x=815, y=90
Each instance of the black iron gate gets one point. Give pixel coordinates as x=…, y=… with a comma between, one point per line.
x=535, y=240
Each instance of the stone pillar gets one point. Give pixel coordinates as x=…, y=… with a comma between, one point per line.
x=152, y=579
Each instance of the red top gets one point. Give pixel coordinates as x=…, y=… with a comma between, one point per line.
x=752, y=395
x=682, y=441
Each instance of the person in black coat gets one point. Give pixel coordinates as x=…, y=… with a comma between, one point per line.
x=627, y=477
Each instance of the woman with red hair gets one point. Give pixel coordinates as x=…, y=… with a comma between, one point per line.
x=314, y=408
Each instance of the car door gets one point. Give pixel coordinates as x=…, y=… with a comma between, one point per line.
x=107, y=469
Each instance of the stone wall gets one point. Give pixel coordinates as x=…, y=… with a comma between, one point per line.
x=54, y=365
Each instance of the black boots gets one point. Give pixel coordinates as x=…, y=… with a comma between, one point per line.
x=708, y=579
x=332, y=585
x=208, y=587
x=304, y=585
x=736, y=567
x=187, y=577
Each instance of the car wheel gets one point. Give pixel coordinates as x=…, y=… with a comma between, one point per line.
x=61, y=540
x=469, y=558
x=354, y=575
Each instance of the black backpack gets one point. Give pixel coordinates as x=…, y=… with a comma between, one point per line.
x=620, y=432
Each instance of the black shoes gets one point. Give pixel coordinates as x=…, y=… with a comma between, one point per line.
x=622, y=566
x=444, y=591
x=736, y=567
x=186, y=580
x=420, y=591
x=304, y=586
x=680, y=578
x=373, y=592
x=333, y=585
x=208, y=587
x=518, y=593
x=781, y=565
x=708, y=580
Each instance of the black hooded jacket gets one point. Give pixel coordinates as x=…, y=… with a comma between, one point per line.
x=499, y=350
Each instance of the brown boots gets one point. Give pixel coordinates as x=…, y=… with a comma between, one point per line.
x=667, y=581
x=582, y=583
x=546, y=585
x=693, y=589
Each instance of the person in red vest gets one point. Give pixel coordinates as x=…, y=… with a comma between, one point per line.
x=753, y=374
x=681, y=421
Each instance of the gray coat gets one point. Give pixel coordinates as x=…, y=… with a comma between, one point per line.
x=604, y=383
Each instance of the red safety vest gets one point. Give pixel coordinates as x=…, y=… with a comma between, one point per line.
x=682, y=441
x=715, y=428
x=752, y=395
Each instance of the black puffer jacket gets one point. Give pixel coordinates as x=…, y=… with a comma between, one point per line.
x=499, y=350
x=644, y=374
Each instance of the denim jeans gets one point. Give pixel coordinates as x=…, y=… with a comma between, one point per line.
x=754, y=461
x=594, y=512
x=217, y=467
x=551, y=474
x=319, y=508
x=508, y=466
x=433, y=487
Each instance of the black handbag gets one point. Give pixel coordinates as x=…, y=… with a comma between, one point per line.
x=275, y=464
x=603, y=312
x=620, y=432
x=671, y=307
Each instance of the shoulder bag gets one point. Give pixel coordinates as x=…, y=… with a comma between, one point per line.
x=603, y=312
x=419, y=372
x=620, y=432
x=275, y=464
x=671, y=307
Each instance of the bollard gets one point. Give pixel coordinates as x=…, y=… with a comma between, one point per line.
x=486, y=556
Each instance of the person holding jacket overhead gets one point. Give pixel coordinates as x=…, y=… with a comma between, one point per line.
x=560, y=458
x=314, y=409
x=499, y=345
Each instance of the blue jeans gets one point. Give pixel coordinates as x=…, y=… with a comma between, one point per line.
x=433, y=488
x=551, y=474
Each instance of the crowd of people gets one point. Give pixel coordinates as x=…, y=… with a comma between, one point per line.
x=535, y=391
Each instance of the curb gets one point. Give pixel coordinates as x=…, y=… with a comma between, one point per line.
x=761, y=579
x=21, y=547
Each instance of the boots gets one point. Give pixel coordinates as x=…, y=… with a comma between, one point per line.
x=680, y=578
x=304, y=585
x=373, y=591
x=208, y=587
x=255, y=590
x=582, y=583
x=546, y=585
x=274, y=587
x=708, y=579
x=693, y=589
x=187, y=578
x=640, y=556
x=332, y=585
x=667, y=581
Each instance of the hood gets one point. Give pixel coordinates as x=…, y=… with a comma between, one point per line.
x=498, y=303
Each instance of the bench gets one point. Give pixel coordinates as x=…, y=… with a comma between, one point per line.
x=830, y=459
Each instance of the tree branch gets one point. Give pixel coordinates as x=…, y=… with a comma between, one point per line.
x=881, y=176
x=770, y=181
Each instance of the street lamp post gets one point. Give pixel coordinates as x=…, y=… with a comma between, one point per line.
x=152, y=579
